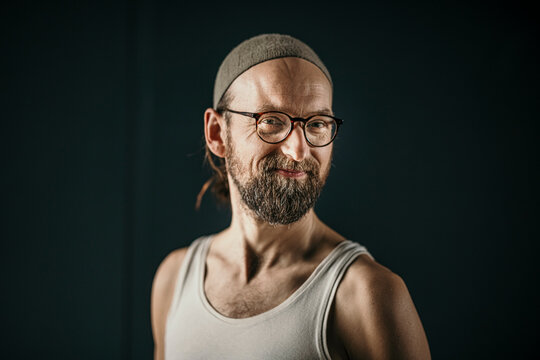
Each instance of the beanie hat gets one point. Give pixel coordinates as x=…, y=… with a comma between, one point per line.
x=259, y=49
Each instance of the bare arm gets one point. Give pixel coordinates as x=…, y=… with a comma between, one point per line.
x=376, y=317
x=162, y=294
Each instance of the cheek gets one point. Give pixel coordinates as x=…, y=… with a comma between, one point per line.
x=249, y=150
x=325, y=159
x=257, y=153
x=249, y=159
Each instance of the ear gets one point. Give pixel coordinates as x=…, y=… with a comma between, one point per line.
x=214, y=131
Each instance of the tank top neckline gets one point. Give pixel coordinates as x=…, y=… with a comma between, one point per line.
x=268, y=313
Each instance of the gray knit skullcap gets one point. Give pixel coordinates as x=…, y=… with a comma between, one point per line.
x=259, y=49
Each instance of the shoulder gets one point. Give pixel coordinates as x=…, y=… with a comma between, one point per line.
x=167, y=272
x=375, y=316
x=369, y=289
x=162, y=293
x=366, y=279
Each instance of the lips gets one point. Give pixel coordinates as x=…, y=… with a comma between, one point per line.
x=290, y=173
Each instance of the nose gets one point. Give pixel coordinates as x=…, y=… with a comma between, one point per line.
x=295, y=145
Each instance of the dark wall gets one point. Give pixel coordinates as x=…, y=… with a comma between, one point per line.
x=435, y=170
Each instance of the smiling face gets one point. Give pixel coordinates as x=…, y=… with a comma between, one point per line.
x=279, y=183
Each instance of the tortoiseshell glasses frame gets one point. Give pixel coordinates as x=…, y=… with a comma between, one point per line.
x=335, y=123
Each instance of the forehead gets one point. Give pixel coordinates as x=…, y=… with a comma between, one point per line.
x=289, y=84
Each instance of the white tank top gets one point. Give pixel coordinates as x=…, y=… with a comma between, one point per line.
x=295, y=329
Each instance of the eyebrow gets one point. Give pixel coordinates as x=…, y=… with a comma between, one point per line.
x=269, y=107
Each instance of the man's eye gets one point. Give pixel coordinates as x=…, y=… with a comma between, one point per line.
x=319, y=124
x=272, y=122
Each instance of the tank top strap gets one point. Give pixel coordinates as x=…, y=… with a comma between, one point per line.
x=187, y=273
x=341, y=258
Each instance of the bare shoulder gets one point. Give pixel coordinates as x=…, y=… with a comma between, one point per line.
x=375, y=316
x=366, y=279
x=162, y=293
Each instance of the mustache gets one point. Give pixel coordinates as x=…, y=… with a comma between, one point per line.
x=274, y=161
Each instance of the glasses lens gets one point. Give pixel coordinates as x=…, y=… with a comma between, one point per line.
x=321, y=130
x=273, y=127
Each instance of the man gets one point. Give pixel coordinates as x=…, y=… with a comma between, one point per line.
x=277, y=283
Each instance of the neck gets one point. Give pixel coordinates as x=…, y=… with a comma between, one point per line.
x=256, y=246
x=265, y=238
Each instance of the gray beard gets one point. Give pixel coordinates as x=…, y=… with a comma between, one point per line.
x=273, y=198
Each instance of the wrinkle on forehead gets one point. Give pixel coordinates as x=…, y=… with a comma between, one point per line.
x=287, y=83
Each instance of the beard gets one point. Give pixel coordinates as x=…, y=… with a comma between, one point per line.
x=271, y=197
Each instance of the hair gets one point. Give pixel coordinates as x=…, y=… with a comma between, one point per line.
x=218, y=182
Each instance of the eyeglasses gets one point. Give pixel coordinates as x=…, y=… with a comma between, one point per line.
x=275, y=126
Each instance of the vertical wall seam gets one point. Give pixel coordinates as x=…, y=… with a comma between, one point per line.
x=130, y=172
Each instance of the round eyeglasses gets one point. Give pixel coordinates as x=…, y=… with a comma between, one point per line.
x=275, y=126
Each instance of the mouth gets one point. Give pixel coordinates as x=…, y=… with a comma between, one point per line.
x=291, y=173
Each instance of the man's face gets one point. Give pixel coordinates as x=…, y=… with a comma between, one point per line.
x=279, y=183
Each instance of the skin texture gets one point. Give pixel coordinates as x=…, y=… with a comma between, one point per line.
x=253, y=266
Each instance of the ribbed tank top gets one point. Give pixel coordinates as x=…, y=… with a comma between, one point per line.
x=295, y=329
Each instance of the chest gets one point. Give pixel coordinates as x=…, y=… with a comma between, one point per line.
x=234, y=298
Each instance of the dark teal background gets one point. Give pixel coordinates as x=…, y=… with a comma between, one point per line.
x=435, y=170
